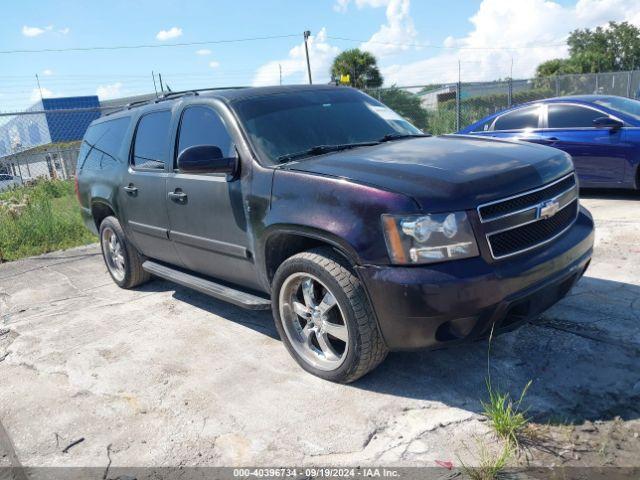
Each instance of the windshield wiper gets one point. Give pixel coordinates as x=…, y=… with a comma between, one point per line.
x=399, y=136
x=322, y=149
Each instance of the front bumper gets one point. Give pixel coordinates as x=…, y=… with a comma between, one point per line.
x=439, y=305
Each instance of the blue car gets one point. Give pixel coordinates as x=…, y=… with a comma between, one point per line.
x=600, y=132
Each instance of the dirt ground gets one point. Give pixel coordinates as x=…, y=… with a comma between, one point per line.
x=165, y=376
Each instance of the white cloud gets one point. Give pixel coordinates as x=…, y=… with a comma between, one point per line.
x=214, y=64
x=32, y=31
x=541, y=26
x=37, y=31
x=393, y=36
x=173, y=32
x=106, y=92
x=294, y=66
x=47, y=72
x=341, y=5
x=46, y=93
x=203, y=52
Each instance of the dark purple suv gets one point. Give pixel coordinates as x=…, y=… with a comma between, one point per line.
x=361, y=233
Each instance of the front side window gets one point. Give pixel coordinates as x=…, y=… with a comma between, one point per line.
x=572, y=116
x=284, y=124
x=152, y=135
x=518, y=119
x=203, y=126
x=621, y=104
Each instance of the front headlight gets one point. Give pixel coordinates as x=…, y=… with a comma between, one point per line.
x=429, y=238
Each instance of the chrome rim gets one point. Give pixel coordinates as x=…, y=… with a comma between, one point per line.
x=113, y=253
x=313, y=321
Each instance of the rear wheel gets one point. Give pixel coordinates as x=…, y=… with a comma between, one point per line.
x=324, y=317
x=123, y=261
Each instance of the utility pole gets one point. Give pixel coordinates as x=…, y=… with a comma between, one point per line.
x=39, y=87
x=155, y=89
x=458, y=99
x=307, y=34
x=280, y=70
x=510, y=99
x=161, y=87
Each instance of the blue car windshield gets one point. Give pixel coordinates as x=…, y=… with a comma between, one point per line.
x=282, y=125
x=624, y=105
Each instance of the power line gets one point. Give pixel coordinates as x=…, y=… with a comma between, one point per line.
x=147, y=45
x=443, y=47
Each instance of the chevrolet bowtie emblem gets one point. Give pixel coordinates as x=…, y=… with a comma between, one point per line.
x=548, y=209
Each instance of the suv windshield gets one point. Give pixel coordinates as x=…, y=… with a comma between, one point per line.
x=624, y=105
x=305, y=123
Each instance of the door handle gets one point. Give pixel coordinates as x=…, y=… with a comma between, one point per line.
x=178, y=196
x=130, y=189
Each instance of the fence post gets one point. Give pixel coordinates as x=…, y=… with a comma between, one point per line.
x=629, y=84
x=597, y=84
x=19, y=169
x=510, y=93
x=557, y=86
x=458, y=112
x=62, y=164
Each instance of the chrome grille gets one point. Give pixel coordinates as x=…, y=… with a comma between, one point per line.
x=505, y=206
x=522, y=222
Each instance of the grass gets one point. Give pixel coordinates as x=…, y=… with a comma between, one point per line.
x=507, y=417
x=490, y=465
x=48, y=220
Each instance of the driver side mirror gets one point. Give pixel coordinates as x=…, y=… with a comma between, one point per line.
x=608, y=122
x=207, y=159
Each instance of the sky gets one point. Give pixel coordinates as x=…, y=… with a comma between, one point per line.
x=416, y=42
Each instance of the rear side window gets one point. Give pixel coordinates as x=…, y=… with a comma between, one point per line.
x=152, y=134
x=483, y=127
x=106, y=138
x=572, y=116
x=518, y=119
x=203, y=126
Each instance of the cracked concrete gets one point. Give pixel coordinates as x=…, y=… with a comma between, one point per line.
x=165, y=376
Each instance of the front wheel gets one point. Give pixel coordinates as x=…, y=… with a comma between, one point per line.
x=324, y=317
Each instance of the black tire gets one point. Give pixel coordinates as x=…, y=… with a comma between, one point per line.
x=132, y=273
x=366, y=348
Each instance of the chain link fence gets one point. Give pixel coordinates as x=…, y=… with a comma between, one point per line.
x=43, y=143
x=447, y=108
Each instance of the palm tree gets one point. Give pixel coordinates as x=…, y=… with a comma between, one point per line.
x=361, y=67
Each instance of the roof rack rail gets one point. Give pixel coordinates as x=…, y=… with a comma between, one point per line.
x=169, y=96
x=195, y=91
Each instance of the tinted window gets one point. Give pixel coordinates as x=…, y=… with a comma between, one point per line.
x=518, y=119
x=571, y=116
x=5, y=177
x=107, y=136
x=203, y=126
x=149, y=150
x=483, y=127
x=624, y=105
x=93, y=159
x=294, y=122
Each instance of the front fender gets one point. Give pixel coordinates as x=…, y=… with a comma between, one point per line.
x=345, y=212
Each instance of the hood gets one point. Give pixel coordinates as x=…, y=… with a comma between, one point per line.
x=452, y=172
